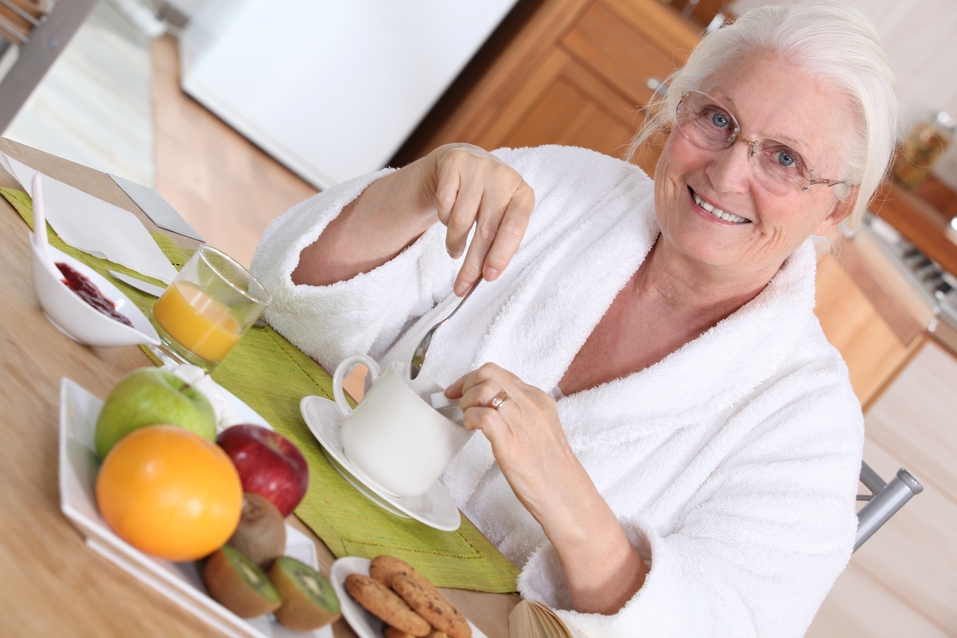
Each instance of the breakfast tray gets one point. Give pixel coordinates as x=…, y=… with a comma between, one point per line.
x=271, y=375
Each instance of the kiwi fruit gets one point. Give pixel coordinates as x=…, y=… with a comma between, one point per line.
x=236, y=583
x=261, y=533
x=308, y=600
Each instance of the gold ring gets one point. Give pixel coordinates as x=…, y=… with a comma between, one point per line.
x=499, y=399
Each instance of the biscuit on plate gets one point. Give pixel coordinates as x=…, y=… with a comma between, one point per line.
x=392, y=632
x=383, y=603
x=429, y=604
x=384, y=568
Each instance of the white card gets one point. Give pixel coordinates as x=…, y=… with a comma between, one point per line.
x=95, y=226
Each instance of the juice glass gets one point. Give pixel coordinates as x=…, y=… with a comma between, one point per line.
x=207, y=309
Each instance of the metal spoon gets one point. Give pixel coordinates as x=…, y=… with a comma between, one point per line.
x=418, y=357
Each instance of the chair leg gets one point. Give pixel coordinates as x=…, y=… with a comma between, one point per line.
x=885, y=502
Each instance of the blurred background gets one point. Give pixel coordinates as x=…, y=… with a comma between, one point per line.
x=329, y=90
x=233, y=110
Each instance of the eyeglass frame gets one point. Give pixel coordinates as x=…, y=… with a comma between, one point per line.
x=752, y=144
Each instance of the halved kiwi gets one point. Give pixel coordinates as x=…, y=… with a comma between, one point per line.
x=261, y=533
x=236, y=583
x=308, y=600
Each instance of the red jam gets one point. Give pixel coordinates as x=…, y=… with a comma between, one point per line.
x=85, y=290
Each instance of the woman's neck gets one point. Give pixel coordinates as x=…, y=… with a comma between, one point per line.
x=699, y=293
x=668, y=303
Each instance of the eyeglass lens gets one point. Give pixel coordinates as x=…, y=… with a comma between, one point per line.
x=779, y=168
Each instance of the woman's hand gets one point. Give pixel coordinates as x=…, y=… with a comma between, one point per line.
x=526, y=436
x=601, y=567
x=458, y=185
x=470, y=186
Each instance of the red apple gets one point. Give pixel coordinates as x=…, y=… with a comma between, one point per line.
x=268, y=463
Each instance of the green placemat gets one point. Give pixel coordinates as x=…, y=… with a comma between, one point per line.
x=271, y=376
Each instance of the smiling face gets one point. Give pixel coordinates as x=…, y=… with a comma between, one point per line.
x=711, y=207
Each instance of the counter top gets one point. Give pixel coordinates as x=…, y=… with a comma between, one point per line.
x=920, y=221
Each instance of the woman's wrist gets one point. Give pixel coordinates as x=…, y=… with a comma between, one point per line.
x=387, y=217
x=601, y=566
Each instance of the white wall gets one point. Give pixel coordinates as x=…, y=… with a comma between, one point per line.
x=920, y=37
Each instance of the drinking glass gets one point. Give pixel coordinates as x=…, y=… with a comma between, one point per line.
x=207, y=309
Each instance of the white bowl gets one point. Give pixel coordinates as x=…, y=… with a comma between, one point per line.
x=77, y=319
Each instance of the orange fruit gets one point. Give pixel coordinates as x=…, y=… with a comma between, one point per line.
x=170, y=493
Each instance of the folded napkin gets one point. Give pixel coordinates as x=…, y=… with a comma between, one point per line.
x=94, y=226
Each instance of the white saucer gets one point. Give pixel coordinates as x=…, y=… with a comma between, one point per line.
x=356, y=483
x=362, y=622
x=435, y=508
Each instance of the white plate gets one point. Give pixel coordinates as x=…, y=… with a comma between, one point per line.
x=180, y=582
x=435, y=508
x=356, y=483
x=362, y=622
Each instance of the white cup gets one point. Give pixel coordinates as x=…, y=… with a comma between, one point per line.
x=394, y=436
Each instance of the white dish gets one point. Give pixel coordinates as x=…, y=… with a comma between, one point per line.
x=180, y=582
x=356, y=483
x=77, y=319
x=435, y=508
x=362, y=622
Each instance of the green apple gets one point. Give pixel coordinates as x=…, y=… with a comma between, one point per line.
x=151, y=396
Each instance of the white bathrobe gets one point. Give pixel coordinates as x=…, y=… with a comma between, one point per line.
x=732, y=464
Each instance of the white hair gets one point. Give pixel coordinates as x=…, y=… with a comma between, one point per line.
x=836, y=43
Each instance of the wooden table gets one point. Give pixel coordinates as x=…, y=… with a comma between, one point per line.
x=51, y=584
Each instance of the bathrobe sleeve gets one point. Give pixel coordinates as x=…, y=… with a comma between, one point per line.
x=361, y=315
x=367, y=313
x=758, y=548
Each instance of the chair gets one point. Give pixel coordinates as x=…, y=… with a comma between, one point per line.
x=883, y=501
x=32, y=35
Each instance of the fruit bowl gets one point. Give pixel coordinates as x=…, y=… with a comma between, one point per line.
x=180, y=582
x=77, y=319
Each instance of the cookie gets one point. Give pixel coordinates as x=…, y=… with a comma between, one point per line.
x=383, y=603
x=385, y=568
x=429, y=604
x=392, y=632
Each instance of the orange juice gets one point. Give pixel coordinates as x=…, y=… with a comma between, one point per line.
x=200, y=323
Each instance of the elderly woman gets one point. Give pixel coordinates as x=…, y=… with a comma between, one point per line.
x=671, y=447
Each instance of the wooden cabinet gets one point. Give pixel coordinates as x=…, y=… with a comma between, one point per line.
x=576, y=73
x=863, y=321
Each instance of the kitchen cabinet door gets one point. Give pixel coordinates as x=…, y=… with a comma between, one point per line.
x=627, y=43
x=589, y=89
x=564, y=103
x=873, y=348
x=576, y=74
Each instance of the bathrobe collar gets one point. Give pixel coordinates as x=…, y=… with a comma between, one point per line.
x=563, y=295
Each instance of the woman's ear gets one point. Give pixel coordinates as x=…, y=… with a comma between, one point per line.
x=842, y=209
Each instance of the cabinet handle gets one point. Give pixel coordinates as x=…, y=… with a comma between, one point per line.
x=658, y=86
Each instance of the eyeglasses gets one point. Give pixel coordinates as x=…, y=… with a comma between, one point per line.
x=776, y=166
